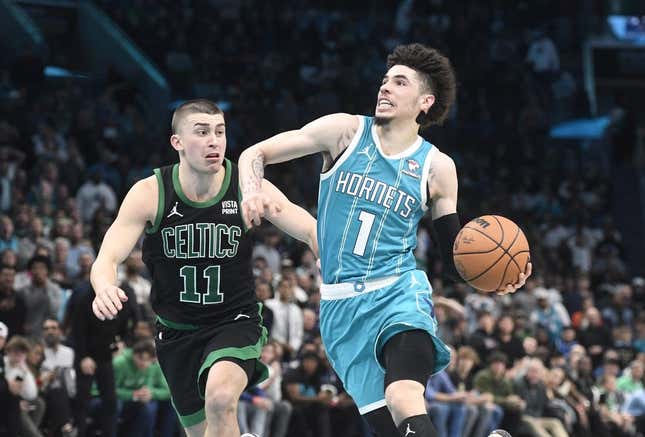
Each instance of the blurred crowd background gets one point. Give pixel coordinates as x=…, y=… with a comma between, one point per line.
x=563, y=356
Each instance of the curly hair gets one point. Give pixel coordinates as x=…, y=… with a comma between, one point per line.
x=197, y=106
x=437, y=73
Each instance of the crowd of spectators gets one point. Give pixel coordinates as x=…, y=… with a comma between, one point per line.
x=562, y=356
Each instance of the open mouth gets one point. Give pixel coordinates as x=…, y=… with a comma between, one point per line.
x=384, y=103
x=213, y=156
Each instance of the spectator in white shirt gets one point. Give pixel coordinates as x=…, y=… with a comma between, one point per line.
x=288, y=326
x=94, y=194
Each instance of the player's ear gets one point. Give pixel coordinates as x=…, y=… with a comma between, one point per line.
x=175, y=142
x=427, y=100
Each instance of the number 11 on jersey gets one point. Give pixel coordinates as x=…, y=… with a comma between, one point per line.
x=367, y=221
x=190, y=294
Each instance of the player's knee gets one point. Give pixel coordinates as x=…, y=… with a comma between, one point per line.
x=221, y=399
x=401, y=393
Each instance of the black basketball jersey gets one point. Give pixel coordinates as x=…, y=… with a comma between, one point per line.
x=198, y=253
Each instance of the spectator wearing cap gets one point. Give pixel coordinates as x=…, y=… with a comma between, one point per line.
x=43, y=297
x=476, y=304
x=13, y=309
x=549, y=314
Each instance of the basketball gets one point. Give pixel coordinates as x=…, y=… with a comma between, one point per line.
x=490, y=252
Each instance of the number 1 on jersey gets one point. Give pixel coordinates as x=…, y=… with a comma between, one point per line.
x=367, y=221
x=190, y=294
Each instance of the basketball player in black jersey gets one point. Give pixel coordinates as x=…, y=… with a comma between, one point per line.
x=199, y=255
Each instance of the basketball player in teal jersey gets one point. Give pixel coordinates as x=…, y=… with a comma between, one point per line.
x=378, y=180
x=199, y=255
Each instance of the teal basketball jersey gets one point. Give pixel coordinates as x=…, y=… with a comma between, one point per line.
x=369, y=205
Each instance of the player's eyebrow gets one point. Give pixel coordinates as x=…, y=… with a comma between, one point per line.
x=397, y=76
x=208, y=125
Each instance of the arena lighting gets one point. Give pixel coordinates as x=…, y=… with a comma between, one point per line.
x=628, y=28
x=53, y=71
x=581, y=129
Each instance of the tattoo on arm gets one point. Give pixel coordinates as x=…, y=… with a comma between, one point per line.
x=254, y=180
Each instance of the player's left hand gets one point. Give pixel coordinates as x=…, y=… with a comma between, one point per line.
x=258, y=205
x=512, y=288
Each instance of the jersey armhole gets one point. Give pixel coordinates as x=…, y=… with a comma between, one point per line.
x=161, y=198
x=425, y=190
x=348, y=150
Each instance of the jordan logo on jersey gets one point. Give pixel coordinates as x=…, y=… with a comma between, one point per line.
x=366, y=152
x=413, y=167
x=174, y=211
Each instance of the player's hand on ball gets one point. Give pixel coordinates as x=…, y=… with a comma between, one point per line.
x=512, y=288
x=258, y=205
x=108, y=302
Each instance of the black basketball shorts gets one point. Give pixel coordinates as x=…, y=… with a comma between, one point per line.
x=186, y=353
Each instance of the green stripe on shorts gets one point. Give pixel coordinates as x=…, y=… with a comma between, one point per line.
x=192, y=419
x=178, y=326
x=250, y=352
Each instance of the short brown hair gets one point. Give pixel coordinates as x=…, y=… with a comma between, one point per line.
x=468, y=353
x=18, y=344
x=196, y=106
x=144, y=347
x=436, y=71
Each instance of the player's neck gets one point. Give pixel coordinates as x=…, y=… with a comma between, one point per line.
x=200, y=187
x=396, y=136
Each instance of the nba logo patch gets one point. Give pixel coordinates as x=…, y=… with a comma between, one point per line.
x=413, y=166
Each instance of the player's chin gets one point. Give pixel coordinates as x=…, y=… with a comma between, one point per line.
x=381, y=118
x=213, y=166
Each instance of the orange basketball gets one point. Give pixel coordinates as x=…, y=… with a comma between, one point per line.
x=490, y=252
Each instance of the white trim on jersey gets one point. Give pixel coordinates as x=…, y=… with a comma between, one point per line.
x=424, y=177
x=372, y=407
x=346, y=290
x=406, y=152
x=348, y=151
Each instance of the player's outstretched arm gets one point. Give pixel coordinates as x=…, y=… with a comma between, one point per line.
x=136, y=209
x=290, y=218
x=331, y=134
